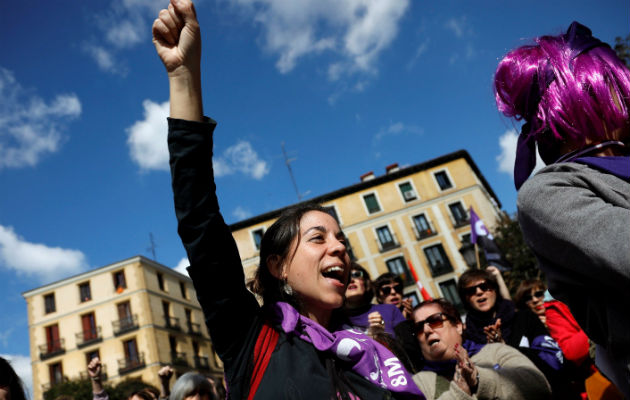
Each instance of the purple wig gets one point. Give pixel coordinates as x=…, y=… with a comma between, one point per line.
x=570, y=87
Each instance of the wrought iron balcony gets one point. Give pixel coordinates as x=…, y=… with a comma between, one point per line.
x=194, y=329
x=441, y=269
x=388, y=245
x=179, y=359
x=424, y=233
x=50, y=385
x=172, y=323
x=129, y=364
x=52, y=348
x=201, y=362
x=459, y=222
x=89, y=337
x=125, y=325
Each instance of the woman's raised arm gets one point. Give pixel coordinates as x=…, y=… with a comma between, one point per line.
x=177, y=40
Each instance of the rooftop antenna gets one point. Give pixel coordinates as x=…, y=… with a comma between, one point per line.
x=152, y=247
x=288, y=162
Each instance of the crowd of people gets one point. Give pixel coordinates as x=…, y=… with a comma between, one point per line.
x=319, y=334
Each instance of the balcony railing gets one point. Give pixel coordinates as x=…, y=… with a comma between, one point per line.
x=89, y=337
x=441, y=269
x=179, y=359
x=51, y=349
x=130, y=364
x=84, y=374
x=125, y=325
x=459, y=222
x=424, y=233
x=172, y=323
x=388, y=245
x=194, y=329
x=201, y=362
x=50, y=385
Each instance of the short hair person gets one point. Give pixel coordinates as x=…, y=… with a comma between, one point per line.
x=573, y=93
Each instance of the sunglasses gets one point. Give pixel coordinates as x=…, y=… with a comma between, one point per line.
x=356, y=274
x=435, y=321
x=386, y=290
x=484, y=286
x=537, y=294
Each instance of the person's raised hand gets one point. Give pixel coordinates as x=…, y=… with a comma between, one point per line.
x=165, y=373
x=177, y=37
x=407, y=308
x=375, y=320
x=493, y=332
x=94, y=368
x=466, y=369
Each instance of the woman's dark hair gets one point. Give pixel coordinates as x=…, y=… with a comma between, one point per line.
x=474, y=275
x=385, y=279
x=524, y=289
x=277, y=241
x=9, y=379
x=367, y=281
x=144, y=394
x=446, y=306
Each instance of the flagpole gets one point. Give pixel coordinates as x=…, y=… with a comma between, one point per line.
x=423, y=291
x=477, y=256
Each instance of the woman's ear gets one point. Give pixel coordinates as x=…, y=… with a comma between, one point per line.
x=460, y=328
x=274, y=263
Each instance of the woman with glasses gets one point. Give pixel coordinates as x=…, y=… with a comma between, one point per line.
x=293, y=346
x=456, y=368
x=492, y=319
x=389, y=290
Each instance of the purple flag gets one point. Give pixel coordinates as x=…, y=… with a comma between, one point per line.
x=480, y=235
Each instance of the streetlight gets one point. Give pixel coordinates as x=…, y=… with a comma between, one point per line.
x=468, y=252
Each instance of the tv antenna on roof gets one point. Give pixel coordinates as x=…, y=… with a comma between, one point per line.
x=288, y=162
x=152, y=247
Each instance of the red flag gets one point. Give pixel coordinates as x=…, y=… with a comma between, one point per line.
x=423, y=291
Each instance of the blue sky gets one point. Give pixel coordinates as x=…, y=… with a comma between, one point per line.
x=349, y=86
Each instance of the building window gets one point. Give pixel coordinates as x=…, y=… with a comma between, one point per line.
x=85, y=293
x=460, y=216
x=56, y=373
x=415, y=300
x=160, y=279
x=53, y=341
x=131, y=352
x=465, y=238
x=407, y=191
x=331, y=210
x=438, y=262
x=182, y=288
x=88, y=323
x=422, y=227
x=443, y=181
x=449, y=291
x=398, y=266
x=49, y=303
x=120, y=283
x=371, y=203
x=257, y=236
x=385, y=238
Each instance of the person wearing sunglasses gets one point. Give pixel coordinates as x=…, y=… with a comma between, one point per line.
x=491, y=318
x=389, y=290
x=457, y=368
x=572, y=92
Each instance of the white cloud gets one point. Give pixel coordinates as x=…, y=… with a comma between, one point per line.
x=37, y=260
x=123, y=26
x=147, y=138
x=148, y=147
x=30, y=127
x=240, y=213
x=422, y=48
x=355, y=31
x=397, y=129
x=22, y=367
x=182, y=265
x=457, y=25
x=242, y=158
x=505, y=160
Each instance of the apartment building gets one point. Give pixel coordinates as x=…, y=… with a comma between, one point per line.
x=417, y=214
x=136, y=315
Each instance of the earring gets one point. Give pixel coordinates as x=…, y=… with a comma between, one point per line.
x=286, y=288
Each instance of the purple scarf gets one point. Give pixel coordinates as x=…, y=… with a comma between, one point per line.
x=367, y=357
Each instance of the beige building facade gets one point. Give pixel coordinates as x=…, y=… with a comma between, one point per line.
x=417, y=214
x=136, y=315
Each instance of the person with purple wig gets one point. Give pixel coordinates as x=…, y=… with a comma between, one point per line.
x=573, y=94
